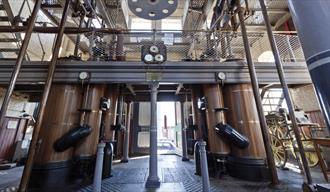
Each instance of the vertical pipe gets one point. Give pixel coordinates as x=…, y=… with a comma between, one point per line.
x=19, y=60
x=97, y=180
x=153, y=179
x=230, y=51
x=286, y=92
x=291, y=53
x=204, y=166
x=255, y=86
x=184, y=133
x=48, y=84
x=315, y=45
x=126, y=134
x=120, y=110
x=77, y=44
x=195, y=94
x=120, y=48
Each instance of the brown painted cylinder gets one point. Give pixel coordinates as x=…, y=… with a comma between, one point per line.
x=110, y=115
x=213, y=94
x=61, y=115
x=243, y=116
x=52, y=169
x=87, y=147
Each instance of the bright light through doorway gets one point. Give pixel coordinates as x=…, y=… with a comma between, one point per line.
x=168, y=129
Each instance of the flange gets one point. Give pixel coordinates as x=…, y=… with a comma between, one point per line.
x=153, y=9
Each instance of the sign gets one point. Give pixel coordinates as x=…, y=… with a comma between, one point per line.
x=12, y=124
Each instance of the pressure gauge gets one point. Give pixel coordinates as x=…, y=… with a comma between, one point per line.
x=148, y=58
x=159, y=58
x=83, y=75
x=154, y=49
x=221, y=76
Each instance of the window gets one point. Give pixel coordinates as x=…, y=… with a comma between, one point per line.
x=266, y=56
x=172, y=24
x=141, y=24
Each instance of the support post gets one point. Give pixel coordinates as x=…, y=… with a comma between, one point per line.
x=286, y=92
x=19, y=60
x=97, y=181
x=204, y=166
x=48, y=84
x=184, y=133
x=153, y=179
x=255, y=86
x=126, y=134
x=120, y=48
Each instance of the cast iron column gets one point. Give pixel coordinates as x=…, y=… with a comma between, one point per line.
x=126, y=134
x=153, y=179
x=184, y=133
x=311, y=19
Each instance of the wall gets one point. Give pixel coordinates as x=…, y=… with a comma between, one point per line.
x=17, y=103
x=304, y=97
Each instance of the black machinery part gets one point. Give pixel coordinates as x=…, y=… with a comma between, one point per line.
x=232, y=136
x=72, y=137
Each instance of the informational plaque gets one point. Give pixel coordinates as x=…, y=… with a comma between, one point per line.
x=12, y=124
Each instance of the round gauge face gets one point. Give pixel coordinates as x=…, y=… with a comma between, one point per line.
x=154, y=49
x=83, y=75
x=221, y=76
x=159, y=58
x=148, y=58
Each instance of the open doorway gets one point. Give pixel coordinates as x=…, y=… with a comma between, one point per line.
x=169, y=128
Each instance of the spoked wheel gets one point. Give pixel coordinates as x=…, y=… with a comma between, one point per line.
x=311, y=156
x=279, y=152
x=277, y=126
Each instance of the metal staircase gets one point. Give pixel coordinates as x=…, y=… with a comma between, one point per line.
x=9, y=42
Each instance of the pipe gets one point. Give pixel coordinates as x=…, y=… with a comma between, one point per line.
x=184, y=133
x=77, y=44
x=97, y=181
x=195, y=95
x=68, y=30
x=307, y=17
x=255, y=86
x=204, y=166
x=153, y=179
x=120, y=56
x=19, y=60
x=48, y=84
x=286, y=92
x=125, y=158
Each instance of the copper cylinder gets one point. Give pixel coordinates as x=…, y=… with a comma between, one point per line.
x=243, y=116
x=52, y=169
x=61, y=115
x=213, y=94
x=110, y=115
x=88, y=146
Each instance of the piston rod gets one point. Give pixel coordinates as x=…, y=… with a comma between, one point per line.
x=286, y=92
x=255, y=86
